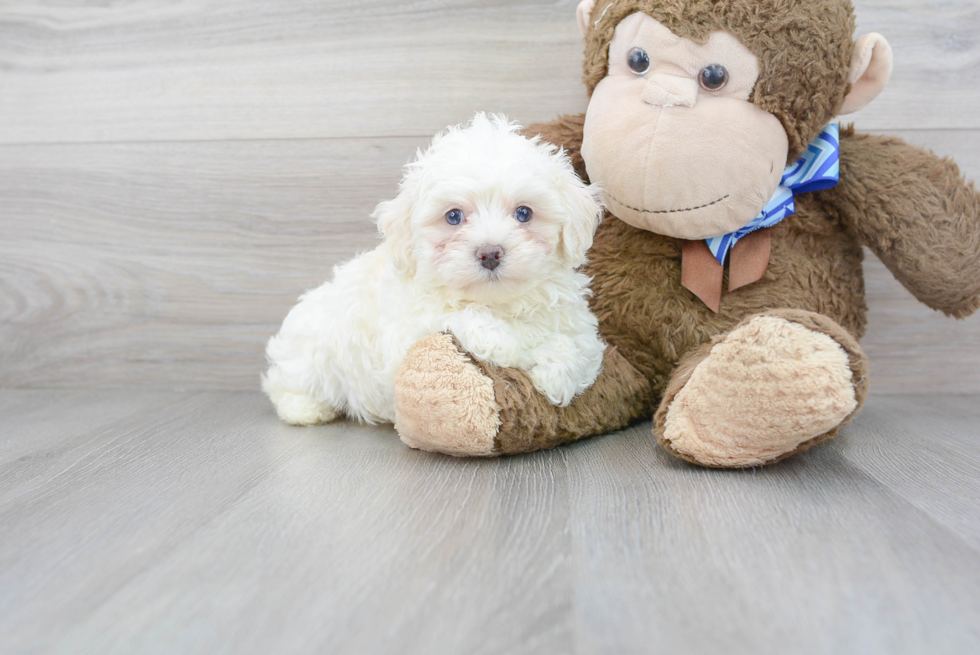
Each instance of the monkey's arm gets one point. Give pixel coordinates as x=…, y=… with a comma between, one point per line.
x=448, y=402
x=565, y=131
x=917, y=213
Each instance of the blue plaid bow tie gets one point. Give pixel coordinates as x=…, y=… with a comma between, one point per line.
x=817, y=169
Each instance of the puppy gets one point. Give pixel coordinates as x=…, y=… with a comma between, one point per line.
x=483, y=241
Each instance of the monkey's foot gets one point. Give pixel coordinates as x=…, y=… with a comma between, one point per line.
x=774, y=386
x=443, y=401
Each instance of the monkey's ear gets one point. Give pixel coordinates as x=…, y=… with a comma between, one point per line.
x=584, y=13
x=871, y=68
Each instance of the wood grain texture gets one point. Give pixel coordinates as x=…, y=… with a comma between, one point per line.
x=196, y=70
x=180, y=259
x=199, y=70
x=168, y=265
x=816, y=556
x=197, y=523
x=936, y=84
x=208, y=525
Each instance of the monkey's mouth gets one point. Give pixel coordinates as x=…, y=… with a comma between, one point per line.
x=666, y=211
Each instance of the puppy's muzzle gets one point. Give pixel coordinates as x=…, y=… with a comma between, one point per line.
x=490, y=256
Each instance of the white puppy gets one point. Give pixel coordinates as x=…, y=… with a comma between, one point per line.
x=483, y=241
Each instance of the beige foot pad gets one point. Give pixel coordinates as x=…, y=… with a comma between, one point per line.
x=443, y=403
x=764, y=391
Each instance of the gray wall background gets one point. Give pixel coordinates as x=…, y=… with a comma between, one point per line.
x=174, y=174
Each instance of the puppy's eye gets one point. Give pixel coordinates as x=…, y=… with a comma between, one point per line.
x=713, y=77
x=638, y=61
x=523, y=214
x=454, y=217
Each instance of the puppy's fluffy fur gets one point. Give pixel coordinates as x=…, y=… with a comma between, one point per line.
x=339, y=349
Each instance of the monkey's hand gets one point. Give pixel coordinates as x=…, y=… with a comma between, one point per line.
x=917, y=213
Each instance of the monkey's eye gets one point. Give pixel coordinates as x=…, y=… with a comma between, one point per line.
x=523, y=214
x=639, y=61
x=454, y=217
x=713, y=77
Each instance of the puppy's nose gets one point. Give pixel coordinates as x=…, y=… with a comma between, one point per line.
x=489, y=256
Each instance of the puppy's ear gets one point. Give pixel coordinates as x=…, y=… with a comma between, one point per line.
x=394, y=219
x=584, y=212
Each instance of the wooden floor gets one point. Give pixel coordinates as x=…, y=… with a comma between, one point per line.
x=167, y=522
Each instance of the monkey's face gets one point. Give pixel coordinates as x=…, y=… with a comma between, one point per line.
x=672, y=138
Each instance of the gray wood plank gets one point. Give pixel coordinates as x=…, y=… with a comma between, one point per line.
x=185, y=252
x=207, y=526
x=168, y=265
x=40, y=447
x=197, y=70
x=927, y=454
x=934, y=85
x=210, y=526
x=810, y=556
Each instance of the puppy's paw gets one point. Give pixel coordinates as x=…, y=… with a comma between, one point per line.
x=300, y=409
x=487, y=339
x=555, y=382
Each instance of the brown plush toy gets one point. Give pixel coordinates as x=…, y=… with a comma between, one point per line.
x=697, y=107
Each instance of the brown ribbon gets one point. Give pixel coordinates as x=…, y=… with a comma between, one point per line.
x=702, y=275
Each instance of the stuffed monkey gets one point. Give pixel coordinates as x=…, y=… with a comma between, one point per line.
x=727, y=273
